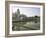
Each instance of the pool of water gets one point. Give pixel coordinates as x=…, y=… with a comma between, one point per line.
x=21, y=26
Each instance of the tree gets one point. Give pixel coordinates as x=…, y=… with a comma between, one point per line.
x=36, y=16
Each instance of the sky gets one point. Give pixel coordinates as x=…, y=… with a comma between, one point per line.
x=28, y=11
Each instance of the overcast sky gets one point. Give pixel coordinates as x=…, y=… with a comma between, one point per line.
x=28, y=11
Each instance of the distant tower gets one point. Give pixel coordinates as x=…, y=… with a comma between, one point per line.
x=18, y=14
x=18, y=11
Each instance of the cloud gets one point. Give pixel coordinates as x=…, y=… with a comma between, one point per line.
x=28, y=11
